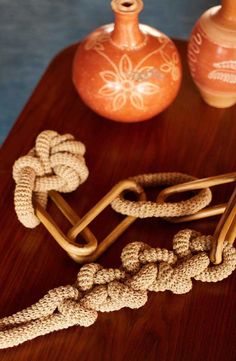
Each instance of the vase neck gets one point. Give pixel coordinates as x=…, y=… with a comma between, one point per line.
x=228, y=11
x=126, y=33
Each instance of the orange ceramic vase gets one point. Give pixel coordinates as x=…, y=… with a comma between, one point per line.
x=125, y=71
x=212, y=55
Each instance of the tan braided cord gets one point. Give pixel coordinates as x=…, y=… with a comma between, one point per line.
x=144, y=209
x=97, y=289
x=55, y=163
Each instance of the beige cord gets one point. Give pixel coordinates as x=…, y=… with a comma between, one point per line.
x=98, y=289
x=56, y=163
x=144, y=209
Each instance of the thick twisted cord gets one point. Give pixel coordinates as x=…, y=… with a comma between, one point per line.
x=97, y=289
x=55, y=163
x=144, y=209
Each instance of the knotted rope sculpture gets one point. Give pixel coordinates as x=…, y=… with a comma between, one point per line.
x=104, y=290
x=55, y=163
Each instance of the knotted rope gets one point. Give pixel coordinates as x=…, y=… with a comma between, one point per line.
x=98, y=289
x=55, y=163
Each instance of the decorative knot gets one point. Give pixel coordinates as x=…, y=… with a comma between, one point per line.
x=96, y=289
x=152, y=269
x=55, y=163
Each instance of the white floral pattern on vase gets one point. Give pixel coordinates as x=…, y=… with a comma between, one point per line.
x=125, y=82
x=171, y=65
x=120, y=86
x=224, y=71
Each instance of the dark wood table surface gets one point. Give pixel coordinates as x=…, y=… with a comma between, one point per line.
x=188, y=137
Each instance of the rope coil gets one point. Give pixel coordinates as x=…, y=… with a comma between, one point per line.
x=104, y=290
x=145, y=209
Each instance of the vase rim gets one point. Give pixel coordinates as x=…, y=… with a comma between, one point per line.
x=127, y=6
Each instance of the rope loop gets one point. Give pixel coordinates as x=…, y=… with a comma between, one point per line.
x=144, y=209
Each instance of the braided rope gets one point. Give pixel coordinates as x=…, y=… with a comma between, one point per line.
x=55, y=163
x=144, y=209
x=97, y=289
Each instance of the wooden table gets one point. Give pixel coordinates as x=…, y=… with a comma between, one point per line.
x=188, y=137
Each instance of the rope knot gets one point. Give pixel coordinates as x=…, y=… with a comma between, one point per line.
x=104, y=292
x=55, y=163
x=93, y=274
x=76, y=314
x=193, y=249
x=98, y=289
x=112, y=297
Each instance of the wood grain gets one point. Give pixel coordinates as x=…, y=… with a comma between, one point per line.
x=189, y=137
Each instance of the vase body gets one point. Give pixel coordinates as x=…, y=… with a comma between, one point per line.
x=212, y=55
x=125, y=71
